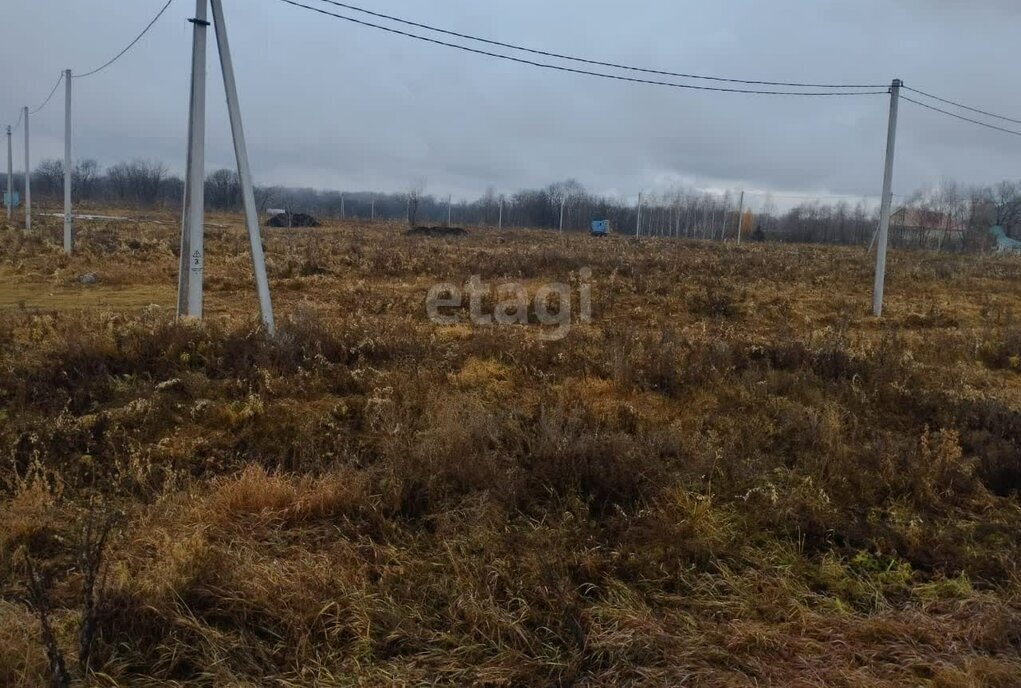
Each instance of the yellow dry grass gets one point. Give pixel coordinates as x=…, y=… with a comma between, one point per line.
x=733, y=476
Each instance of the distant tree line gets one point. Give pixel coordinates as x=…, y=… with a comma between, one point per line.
x=947, y=216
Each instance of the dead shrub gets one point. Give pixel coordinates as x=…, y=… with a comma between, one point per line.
x=716, y=300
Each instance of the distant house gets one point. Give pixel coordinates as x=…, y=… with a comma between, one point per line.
x=920, y=226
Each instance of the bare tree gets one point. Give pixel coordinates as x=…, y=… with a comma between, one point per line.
x=137, y=182
x=1006, y=199
x=223, y=190
x=414, y=197
x=48, y=179
x=85, y=179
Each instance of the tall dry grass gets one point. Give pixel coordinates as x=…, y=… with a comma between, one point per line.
x=733, y=476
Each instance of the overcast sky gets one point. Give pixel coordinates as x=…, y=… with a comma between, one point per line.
x=332, y=105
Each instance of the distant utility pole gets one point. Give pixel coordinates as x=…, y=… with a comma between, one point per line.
x=450, y=198
x=68, y=224
x=372, y=212
x=500, y=225
x=887, y=201
x=343, y=210
x=10, y=176
x=563, y=202
x=638, y=223
x=740, y=217
x=192, y=260
x=28, y=177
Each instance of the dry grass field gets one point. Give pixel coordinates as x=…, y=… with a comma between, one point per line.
x=732, y=476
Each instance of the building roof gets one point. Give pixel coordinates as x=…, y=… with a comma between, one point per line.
x=923, y=219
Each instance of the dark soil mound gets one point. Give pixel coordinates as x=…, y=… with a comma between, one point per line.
x=438, y=231
x=295, y=220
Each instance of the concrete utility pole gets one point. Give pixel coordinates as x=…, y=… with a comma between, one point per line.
x=450, y=198
x=68, y=223
x=192, y=266
x=563, y=201
x=10, y=176
x=244, y=170
x=887, y=202
x=343, y=208
x=740, y=217
x=500, y=224
x=638, y=223
x=372, y=212
x=28, y=177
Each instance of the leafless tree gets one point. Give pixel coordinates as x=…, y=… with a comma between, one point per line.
x=48, y=178
x=223, y=190
x=414, y=196
x=137, y=182
x=84, y=179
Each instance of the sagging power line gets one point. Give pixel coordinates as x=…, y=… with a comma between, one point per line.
x=130, y=45
x=961, y=117
x=946, y=101
x=574, y=70
x=49, y=97
x=599, y=63
x=108, y=63
x=21, y=111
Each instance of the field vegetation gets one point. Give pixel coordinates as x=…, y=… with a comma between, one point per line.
x=733, y=476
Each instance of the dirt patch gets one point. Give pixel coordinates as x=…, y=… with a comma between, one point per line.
x=437, y=231
x=295, y=220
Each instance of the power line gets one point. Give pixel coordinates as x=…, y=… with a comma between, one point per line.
x=962, y=117
x=49, y=97
x=594, y=62
x=573, y=70
x=962, y=106
x=130, y=45
x=20, y=112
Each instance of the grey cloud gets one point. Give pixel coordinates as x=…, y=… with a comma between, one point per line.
x=329, y=104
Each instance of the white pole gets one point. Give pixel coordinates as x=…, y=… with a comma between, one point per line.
x=638, y=224
x=343, y=208
x=373, y=211
x=68, y=226
x=10, y=176
x=884, y=215
x=449, y=201
x=501, y=213
x=192, y=266
x=740, y=217
x=563, y=201
x=244, y=170
x=28, y=178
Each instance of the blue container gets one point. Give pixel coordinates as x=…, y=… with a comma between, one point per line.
x=600, y=227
